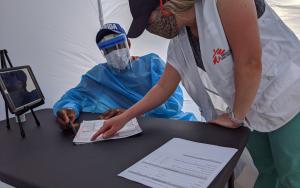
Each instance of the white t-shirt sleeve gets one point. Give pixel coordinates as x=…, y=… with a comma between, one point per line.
x=175, y=56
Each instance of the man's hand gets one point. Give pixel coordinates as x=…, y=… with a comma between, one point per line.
x=111, y=113
x=224, y=121
x=66, y=116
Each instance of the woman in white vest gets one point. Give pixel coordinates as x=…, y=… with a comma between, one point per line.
x=252, y=60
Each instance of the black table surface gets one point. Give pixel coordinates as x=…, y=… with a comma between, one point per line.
x=48, y=158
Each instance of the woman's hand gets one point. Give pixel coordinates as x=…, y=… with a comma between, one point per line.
x=111, y=127
x=224, y=121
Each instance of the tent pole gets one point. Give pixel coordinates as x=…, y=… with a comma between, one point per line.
x=101, y=19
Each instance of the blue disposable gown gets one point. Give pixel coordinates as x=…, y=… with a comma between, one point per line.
x=103, y=88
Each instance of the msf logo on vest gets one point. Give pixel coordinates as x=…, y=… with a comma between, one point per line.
x=219, y=55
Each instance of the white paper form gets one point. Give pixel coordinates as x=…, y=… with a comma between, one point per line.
x=89, y=128
x=180, y=163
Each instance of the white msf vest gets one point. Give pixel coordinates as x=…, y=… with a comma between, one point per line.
x=278, y=97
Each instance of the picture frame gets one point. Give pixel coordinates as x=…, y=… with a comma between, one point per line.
x=20, y=89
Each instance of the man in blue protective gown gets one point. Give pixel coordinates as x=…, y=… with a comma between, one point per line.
x=111, y=87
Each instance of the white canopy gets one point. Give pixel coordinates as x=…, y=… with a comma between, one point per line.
x=57, y=38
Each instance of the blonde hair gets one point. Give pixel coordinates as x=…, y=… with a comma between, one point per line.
x=179, y=6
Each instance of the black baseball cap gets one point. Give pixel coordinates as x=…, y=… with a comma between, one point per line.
x=141, y=11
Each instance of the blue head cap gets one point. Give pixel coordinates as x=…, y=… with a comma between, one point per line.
x=109, y=28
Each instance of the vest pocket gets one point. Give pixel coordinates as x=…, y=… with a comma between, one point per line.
x=279, y=85
x=270, y=65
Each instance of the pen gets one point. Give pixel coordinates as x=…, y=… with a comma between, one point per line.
x=73, y=128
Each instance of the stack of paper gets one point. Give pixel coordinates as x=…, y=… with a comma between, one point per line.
x=180, y=163
x=89, y=128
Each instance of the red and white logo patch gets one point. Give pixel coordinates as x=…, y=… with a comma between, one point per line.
x=219, y=55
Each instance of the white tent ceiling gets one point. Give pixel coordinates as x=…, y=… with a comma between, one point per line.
x=57, y=38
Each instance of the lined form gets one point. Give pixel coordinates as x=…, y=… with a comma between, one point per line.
x=180, y=163
x=89, y=128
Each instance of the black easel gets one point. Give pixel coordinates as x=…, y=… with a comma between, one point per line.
x=4, y=57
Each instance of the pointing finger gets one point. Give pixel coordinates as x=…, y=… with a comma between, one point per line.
x=109, y=133
x=103, y=129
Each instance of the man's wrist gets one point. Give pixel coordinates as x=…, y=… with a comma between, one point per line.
x=71, y=109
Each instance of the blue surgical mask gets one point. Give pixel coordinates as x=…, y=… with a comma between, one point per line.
x=119, y=59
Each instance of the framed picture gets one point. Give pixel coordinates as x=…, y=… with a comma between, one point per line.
x=20, y=89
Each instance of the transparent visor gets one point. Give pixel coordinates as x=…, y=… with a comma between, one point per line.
x=116, y=42
x=116, y=47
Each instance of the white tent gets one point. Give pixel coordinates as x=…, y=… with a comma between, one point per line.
x=57, y=38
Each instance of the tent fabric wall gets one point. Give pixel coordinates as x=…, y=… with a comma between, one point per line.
x=54, y=38
x=289, y=11
x=57, y=38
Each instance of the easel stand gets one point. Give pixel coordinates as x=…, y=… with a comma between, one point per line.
x=37, y=122
x=4, y=57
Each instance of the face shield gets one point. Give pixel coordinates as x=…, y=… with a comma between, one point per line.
x=115, y=48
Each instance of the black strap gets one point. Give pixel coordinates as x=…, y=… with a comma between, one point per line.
x=260, y=7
